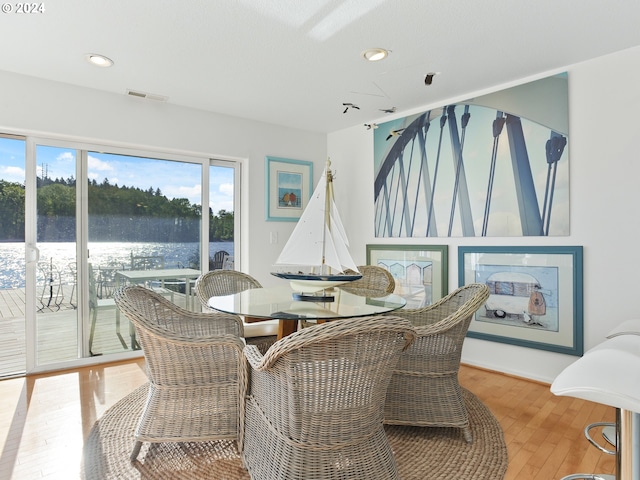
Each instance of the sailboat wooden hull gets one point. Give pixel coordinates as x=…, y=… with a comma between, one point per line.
x=310, y=283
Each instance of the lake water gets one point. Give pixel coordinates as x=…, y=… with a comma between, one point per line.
x=101, y=254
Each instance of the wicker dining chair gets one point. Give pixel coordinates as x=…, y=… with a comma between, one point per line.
x=424, y=390
x=225, y=282
x=196, y=368
x=374, y=279
x=314, y=410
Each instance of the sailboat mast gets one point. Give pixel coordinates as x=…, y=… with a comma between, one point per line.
x=328, y=199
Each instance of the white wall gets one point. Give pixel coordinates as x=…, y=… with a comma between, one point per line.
x=604, y=123
x=604, y=101
x=36, y=107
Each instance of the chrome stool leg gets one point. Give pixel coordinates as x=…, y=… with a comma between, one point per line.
x=588, y=476
x=609, y=434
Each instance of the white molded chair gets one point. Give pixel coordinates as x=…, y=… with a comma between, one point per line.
x=96, y=305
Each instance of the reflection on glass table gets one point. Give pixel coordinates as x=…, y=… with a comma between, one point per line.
x=278, y=303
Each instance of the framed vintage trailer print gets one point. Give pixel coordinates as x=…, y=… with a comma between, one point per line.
x=535, y=299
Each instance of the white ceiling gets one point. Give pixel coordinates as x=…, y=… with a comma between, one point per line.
x=294, y=62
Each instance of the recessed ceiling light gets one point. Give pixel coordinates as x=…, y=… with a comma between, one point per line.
x=375, y=54
x=98, y=60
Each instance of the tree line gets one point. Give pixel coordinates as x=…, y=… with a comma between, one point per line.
x=116, y=213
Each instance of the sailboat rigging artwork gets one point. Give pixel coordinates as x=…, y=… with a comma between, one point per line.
x=318, y=248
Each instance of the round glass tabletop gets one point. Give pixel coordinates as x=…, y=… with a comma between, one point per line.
x=279, y=302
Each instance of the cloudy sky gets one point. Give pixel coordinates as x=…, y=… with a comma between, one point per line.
x=174, y=179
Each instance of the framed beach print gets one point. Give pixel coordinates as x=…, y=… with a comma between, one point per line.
x=535, y=295
x=420, y=271
x=288, y=188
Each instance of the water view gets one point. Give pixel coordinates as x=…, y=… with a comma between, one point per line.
x=101, y=254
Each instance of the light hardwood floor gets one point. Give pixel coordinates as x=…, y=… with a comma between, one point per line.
x=44, y=420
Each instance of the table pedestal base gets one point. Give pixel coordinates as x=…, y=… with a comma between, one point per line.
x=286, y=327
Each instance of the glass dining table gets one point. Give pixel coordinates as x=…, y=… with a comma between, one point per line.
x=280, y=303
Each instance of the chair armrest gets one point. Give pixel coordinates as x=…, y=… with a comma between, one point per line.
x=212, y=323
x=448, y=311
x=253, y=356
x=192, y=324
x=263, y=383
x=439, y=326
x=195, y=341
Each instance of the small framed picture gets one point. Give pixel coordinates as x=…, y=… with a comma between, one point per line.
x=420, y=271
x=288, y=188
x=535, y=296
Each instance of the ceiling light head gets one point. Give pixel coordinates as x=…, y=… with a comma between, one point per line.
x=98, y=60
x=375, y=54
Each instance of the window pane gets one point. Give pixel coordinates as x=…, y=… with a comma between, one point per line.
x=12, y=256
x=221, y=217
x=144, y=216
x=56, y=286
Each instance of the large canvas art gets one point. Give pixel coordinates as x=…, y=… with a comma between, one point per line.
x=494, y=165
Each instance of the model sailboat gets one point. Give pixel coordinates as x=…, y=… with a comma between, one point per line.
x=318, y=249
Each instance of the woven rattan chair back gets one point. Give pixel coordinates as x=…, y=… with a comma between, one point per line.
x=316, y=401
x=223, y=282
x=260, y=331
x=196, y=369
x=374, y=280
x=424, y=390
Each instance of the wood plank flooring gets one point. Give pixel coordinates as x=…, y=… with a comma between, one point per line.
x=44, y=420
x=544, y=433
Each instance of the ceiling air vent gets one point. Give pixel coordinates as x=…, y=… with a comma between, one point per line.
x=148, y=96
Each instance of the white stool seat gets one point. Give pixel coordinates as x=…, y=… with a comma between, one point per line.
x=630, y=327
x=606, y=374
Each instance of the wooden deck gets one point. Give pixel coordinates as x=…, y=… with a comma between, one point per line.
x=12, y=303
x=56, y=331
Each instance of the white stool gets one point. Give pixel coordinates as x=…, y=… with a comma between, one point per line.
x=629, y=327
x=610, y=374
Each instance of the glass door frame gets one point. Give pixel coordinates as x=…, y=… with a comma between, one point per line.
x=32, y=254
x=237, y=181
x=82, y=150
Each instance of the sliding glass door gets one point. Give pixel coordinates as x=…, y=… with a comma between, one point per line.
x=12, y=256
x=223, y=225
x=56, y=287
x=38, y=282
x=76, y=223
x=144, y=227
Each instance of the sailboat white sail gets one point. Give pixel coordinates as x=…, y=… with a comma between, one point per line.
x=318, y=244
